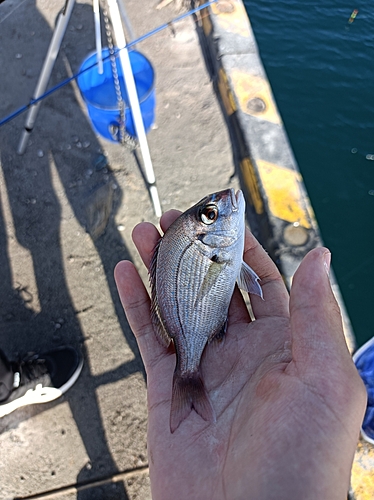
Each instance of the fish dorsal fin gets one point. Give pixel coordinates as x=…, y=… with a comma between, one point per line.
x=161, y=334
x=248, y=280
x=159, y=328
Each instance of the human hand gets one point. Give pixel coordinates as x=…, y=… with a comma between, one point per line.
x=288, y=399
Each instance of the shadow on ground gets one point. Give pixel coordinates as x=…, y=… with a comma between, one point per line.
x=93, y=195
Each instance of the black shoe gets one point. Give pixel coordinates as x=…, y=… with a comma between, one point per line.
x=41, y=378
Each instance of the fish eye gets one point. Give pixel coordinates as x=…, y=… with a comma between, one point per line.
x=209, y=214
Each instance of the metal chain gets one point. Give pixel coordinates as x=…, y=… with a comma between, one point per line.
x=123, y=136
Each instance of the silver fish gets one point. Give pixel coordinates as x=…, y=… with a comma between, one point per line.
x=192, y=274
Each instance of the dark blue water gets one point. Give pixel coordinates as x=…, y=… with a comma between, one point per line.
x=321, y=70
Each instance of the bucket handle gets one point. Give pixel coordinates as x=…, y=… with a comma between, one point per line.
x=113, y=129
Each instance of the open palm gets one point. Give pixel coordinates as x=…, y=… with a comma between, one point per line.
x=288, y=399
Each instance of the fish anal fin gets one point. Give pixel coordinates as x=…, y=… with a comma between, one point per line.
x=219, y=336
x=249, y=281
x=189, y=393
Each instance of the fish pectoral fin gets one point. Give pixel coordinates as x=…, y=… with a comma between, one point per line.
x=219, y=336
x=189, y=393
x=214, y=270
x=248, y=280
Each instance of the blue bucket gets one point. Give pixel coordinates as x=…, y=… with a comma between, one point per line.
x=100, y=96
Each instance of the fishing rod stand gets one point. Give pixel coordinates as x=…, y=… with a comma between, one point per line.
x=45, y=74
x=50, y=59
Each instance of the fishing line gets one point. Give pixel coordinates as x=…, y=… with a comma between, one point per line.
x=11, y=12
x=32, y=102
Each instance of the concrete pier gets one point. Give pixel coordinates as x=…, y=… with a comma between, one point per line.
x=68, y=207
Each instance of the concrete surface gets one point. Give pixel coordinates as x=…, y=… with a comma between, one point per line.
x=57, y=280
x=56, y=268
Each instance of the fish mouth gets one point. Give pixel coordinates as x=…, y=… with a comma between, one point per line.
x=236, y=199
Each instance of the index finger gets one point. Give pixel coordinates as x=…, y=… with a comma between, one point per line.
x=137, y=307
x=146, y=236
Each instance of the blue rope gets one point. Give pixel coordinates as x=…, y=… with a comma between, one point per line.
x=129, y=45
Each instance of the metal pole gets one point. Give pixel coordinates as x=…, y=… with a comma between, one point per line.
x=46, y=71
x=99, y=56
x=134, y=104
x=126, y=20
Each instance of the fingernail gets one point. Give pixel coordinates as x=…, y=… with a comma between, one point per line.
x=327, y=261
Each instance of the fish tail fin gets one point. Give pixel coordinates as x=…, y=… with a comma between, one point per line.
x=189, y=393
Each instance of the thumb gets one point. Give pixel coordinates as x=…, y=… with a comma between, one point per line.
x=319, y=350
x=315, y=316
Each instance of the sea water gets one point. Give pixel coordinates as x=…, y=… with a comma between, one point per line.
x=321, y=70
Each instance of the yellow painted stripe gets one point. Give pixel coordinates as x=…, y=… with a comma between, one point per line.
x=232, y=17
x=248, y=87
x=225, y=92
x=207, y=23
x=362, y=478
x=282, y=189
x=250, y=180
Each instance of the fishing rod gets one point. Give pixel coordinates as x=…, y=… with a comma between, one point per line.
x=32, y=102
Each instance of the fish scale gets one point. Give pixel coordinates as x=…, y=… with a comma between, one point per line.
x=190, y=352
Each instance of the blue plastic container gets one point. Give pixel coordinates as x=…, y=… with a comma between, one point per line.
x=364, y=361
x=100, y=96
